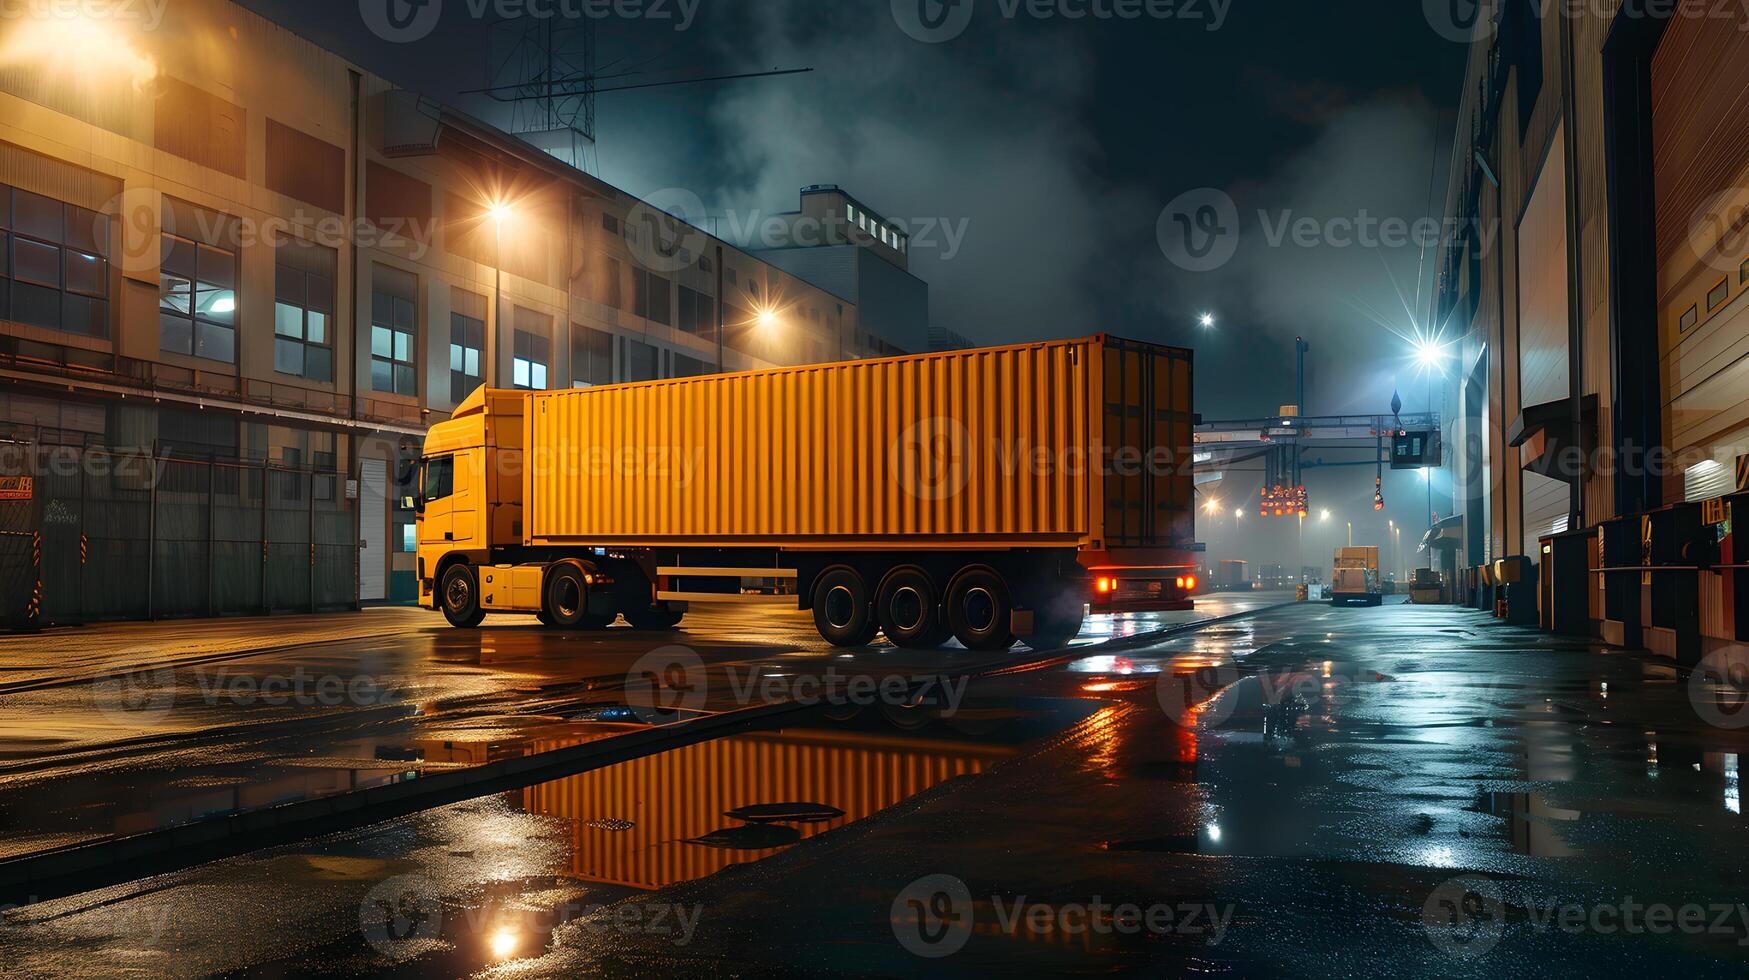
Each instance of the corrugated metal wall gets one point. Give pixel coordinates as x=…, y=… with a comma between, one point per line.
x=972, y=445
x=129, y=537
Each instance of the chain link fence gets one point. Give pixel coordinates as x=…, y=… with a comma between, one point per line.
x=121, y=536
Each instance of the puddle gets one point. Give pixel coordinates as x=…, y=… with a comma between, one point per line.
x=692, y=811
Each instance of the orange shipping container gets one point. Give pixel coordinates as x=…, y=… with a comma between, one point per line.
x=1083, y=444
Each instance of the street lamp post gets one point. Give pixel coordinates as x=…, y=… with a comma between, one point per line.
x=500, y=212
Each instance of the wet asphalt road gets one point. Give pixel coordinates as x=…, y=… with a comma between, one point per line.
x=1310, y=791
x=154, y=725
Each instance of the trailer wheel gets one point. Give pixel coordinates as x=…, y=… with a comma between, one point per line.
x=1057, y=615
x=460, y=596
x=979, y=609
x=842, y=611
x=908, y=608
x=565, y=600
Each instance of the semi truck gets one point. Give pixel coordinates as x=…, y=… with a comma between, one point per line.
x=1355, y=577
x=988, y=495
x=1232, y=575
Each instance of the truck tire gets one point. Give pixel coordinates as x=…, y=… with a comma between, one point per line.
x=908, y=608
x=843, y=612
x=565, y=601
x=459, y=596
x=979, y=609
x=1057, y=616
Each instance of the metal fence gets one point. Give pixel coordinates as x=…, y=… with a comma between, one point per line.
x=119, y=536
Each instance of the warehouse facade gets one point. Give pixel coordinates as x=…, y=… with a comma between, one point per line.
x=265, y=271
x=1599, y=277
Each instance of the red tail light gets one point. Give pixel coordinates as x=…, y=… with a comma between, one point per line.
x=1107, y=584
x=1190, y=583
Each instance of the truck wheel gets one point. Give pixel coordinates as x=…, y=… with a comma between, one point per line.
x=1057, y=617
x=565, y=602
x=979, y=609
x=654, y=618
x=908, y=607
x=460, y=594
x=842, y=611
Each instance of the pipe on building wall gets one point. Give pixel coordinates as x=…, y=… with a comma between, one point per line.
x=1575, y=277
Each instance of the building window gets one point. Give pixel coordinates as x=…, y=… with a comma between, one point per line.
x=651, y=296
x=467, y=352
x=54, y=264
x=729, y=273
x=533, y=350
x=704, y=263
x=690, y=367
x=303, y=309
x=610, y=293
x=1717, y=296
x=1690, y=318
x=609, y=223
x=409, y=538
x=394, y=319
x=591, y=357
x=1743, y=272
x=640, y=361
x=697, y=313
x=197, y=286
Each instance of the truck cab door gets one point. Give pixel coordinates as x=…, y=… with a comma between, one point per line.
x=437, y=500
x=467, y=503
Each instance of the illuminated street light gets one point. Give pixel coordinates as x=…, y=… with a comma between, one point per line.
x=1324, y=515
x=767, y=318
x=1213, y=506
x=1207, y=320
x=1238, y=513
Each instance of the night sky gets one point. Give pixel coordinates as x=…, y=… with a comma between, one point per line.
x=1050, y=146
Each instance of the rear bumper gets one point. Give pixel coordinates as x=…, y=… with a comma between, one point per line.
x=1149, y=588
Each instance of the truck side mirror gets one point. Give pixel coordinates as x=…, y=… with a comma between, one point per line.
x=409, y=503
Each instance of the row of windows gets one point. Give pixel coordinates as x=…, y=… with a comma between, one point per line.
x=54, y=264
x=885, y=233
x=1715, y=298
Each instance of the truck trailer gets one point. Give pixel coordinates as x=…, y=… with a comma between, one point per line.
x=988, y=495
x=1355, y=577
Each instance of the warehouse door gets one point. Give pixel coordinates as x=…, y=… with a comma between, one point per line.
x=373, y=530
x=1700, y=164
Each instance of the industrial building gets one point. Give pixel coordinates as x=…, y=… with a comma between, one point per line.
x=265, y=271
x=1598, y=275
